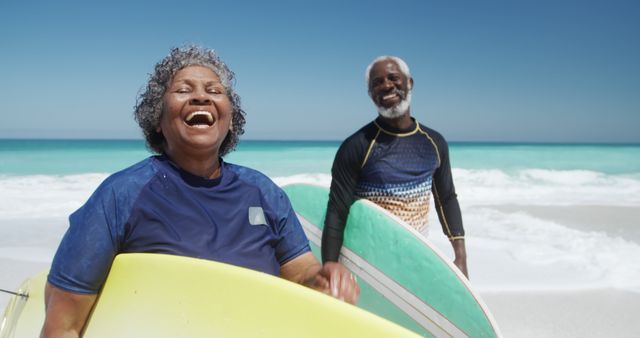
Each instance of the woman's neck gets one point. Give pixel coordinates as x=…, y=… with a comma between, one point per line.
x=206, y=166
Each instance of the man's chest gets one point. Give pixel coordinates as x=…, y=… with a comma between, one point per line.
x=400, y=160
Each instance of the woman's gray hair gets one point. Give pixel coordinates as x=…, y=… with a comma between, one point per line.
x=148, y=109
x=404, y=68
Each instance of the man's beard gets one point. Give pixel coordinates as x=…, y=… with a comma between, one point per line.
x=397, y=110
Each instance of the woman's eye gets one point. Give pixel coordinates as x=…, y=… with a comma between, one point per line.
x=182, y=90
x=215, y=90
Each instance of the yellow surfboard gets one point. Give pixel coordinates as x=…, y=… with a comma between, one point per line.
x=152, y=295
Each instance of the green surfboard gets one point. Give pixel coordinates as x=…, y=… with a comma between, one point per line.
x=402, y=276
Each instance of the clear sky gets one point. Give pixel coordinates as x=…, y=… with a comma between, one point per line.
x=542, y=71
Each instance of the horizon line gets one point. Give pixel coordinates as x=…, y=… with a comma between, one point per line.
x=493, y=142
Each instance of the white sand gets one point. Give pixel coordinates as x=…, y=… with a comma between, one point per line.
x=562, y=314
x=14, y=272
x=26, y=249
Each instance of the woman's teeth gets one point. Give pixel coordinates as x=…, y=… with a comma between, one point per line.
x=200, y=118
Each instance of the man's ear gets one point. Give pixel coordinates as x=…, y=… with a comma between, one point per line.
x=410, y=83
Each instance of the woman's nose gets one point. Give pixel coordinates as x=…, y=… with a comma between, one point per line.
x=200, y=97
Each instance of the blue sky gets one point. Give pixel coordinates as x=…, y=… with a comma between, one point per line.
x=542, y=71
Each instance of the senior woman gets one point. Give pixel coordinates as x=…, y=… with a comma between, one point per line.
x=184, y=201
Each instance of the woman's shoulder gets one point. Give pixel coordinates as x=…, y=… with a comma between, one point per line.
x=250, y=175
x=135, y=175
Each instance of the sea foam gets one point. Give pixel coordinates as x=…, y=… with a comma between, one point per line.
x=536, y=254
x=546, y=187
x=45, y=196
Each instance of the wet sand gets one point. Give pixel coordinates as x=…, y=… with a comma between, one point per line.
x=566, y=314
x=619, y=221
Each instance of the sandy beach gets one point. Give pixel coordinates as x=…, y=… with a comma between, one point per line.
x=27, y=247
x=566, y=314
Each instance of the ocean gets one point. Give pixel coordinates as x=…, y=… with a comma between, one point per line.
x=537, y=216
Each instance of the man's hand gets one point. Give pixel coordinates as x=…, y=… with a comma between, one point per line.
x=461, y=255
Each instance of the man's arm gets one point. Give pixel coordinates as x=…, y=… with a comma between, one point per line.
x=332, y=278
x=65, y=312
x=448, y=208
x=344, y=177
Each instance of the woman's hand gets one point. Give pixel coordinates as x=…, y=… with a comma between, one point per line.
x=342, y=284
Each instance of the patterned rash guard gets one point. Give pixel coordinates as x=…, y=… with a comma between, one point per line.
x=396, y=169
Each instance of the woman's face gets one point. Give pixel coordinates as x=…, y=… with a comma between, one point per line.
x=196, y=114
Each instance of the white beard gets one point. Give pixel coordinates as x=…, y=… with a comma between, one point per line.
x=397, y=110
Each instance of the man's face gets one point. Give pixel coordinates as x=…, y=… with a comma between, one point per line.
x=388, y=86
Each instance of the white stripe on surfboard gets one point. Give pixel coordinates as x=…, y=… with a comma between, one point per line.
x=424, y=315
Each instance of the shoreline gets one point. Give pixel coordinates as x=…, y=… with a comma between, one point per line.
x=620, y=221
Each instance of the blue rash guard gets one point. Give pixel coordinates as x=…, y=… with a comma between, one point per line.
x=240, y=218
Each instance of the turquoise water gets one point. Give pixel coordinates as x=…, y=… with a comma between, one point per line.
x=63, y=157
x=603, y=158
x=285, y=158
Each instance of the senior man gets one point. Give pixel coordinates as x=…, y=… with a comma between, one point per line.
x=395, y=162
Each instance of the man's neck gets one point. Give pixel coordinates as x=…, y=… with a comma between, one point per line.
x=403, y=121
